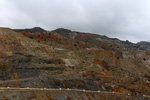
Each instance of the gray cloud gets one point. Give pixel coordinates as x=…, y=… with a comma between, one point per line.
x=124, y=19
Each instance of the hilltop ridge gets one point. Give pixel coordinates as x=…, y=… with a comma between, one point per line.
x=33, y=30
x=90, y=37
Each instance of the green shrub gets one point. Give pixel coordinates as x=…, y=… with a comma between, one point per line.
x=38, y=40
x=31, y=37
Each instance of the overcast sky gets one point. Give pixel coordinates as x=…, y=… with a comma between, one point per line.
x=123, y=19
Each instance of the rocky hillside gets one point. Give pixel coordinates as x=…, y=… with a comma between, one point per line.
x=92, y=38
x=76, y=61
x=143, y=45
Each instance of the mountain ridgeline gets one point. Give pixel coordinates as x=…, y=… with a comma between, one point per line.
x=89, y=37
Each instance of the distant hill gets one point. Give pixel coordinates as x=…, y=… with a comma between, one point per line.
x=63, y=31
x=143, y=45
x=32, y=30
x=90, y=37
x=96, y=38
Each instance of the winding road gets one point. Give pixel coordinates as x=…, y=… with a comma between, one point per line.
x=59, y=89
x=52, y=89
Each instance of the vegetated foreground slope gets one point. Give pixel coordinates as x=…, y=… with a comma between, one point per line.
x=50, y=60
